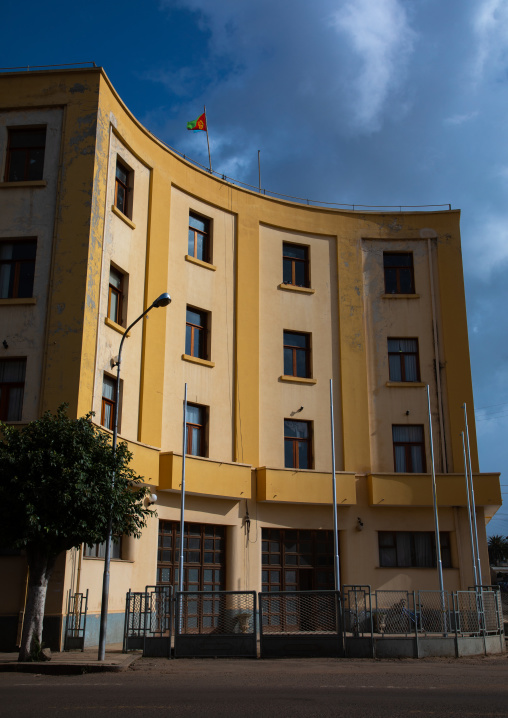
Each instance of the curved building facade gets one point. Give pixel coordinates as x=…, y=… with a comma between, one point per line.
x=270, y=300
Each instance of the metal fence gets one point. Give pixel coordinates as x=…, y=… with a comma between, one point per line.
x=75, y=624
x=300, y=623
x=158, y=621
x=434, y=611
x=135, y=622
x=357, y=609
x=216, y=623
x=394, y=613
x=476, y=612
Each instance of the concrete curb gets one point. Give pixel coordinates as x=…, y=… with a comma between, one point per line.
x=70, y=668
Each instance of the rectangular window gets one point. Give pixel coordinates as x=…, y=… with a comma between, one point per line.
x=196, y=429
x=297, y=444
x=409, y=449
x=412, y=549
x=196, y=333
x=204, y=559
x=12, y=388
x=297, y=560
x=25, y=154
x=123, y=188
x=108, y=402
x=98, y=550
x=115, y=295
x=17, y=268
x=399, y=273
x=297, y=354
x=199, y=237
x=295, y=265
x=403, y=360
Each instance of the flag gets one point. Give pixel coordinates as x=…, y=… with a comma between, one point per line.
x=199, y=124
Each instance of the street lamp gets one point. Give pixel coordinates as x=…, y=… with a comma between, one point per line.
x=162, y=301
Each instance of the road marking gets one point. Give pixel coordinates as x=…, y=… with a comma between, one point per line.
x=51, y=685
x=393, y=688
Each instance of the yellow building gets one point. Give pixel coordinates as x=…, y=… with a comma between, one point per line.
x=270, y=300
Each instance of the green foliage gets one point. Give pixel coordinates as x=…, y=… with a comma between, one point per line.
x=59, y=481
x=498, y=549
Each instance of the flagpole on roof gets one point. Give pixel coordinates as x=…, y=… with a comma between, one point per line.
x=208, y=140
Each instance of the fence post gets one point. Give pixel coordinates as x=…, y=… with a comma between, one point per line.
x=417, y=646
x=456, y=619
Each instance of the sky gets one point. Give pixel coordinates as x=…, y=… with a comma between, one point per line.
x=375, y=102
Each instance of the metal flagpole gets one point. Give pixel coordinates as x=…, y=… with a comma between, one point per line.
x=259, y=170
x=473, y=505
x=334, y=486
x=473, y=553
x=434, y=499
x=182, y=505
x=208, y=140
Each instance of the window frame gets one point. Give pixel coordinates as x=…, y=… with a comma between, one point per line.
x=407, y=447
x=204, y=327
x=293, y=262
x=119, y=292
x=98, y=550
x=306, y=351
x=126, y=208
x=296, y=441
x=8, y=160
x=5, y=390
x=212, y=554
x=16, y=266
x=398, y=269
x=446, y=555
x=207, y=237
x=402, y=354
x=109, y=402
x=202, y=428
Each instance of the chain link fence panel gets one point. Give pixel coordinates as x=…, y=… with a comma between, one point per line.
x=433, y=612
x=218, y=612
x=303, y=612
x=393, y=613
x=467, y=612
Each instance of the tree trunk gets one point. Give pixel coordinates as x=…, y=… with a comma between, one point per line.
x=40, y=565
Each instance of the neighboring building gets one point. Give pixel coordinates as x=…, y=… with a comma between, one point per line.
x=271, y=300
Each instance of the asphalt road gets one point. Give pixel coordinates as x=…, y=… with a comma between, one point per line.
x=309, y=687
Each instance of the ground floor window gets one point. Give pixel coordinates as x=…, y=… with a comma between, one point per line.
x=413, y=549
x=297, y=560
x=98, y=550
x=204, y=559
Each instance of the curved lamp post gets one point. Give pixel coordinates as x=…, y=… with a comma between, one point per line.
x=161, y=301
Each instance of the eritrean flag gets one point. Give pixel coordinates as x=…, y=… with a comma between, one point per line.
x=199, y=124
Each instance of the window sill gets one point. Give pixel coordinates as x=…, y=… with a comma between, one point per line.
x=113, y=325
x=123, y=216
x=200, y=263
x=297, y=379
x=24, y=183
x=400, y=296
x=294, y=288
x=197, y=360
x=406, y=384
x=18, y=300
x=113, y=560
x=418, y=568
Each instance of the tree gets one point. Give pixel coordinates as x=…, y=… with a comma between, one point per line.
x=59, y=480
x=498, y=549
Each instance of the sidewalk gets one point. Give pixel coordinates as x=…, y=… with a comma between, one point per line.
x=72, y=662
